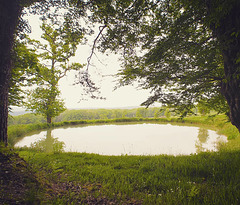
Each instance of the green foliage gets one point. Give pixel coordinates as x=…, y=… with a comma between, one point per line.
x=169, y=47
x=202, y=108
x=85, y=114
x=108, y=114
x=25, y=64
x=28, y=118
x=46, y=102
x=62, y=42
x=15, y=132
x=167, y=113
x=141, y=112
x=216, y=103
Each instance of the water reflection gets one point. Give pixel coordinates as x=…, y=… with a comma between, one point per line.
x=48, y=144
x=131, y=139
x=202, y=139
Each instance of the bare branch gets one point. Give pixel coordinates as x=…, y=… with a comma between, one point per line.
x=101, y=28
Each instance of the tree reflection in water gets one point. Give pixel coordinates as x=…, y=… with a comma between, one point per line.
x=49, y=144
x=134, y=139
x=202, y=139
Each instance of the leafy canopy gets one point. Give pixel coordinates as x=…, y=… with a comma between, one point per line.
x=168, y=47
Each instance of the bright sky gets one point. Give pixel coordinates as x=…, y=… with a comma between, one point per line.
x=122, y=97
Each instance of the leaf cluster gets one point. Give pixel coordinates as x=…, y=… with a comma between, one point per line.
x=25, y=63
x=46, y=101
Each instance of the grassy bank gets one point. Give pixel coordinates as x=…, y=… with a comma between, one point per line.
x=218, y=123
x=74, y=178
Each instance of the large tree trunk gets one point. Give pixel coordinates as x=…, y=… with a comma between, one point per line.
x=10, y=11
x=228, y=35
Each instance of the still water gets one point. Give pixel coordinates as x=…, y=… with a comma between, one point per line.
x=131, y=139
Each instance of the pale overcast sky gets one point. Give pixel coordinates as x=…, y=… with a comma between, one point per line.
x=122, y=97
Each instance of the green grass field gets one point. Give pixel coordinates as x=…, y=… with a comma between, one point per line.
x=206, y=178
x=81, y=178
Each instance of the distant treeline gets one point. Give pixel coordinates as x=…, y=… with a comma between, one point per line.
x=91, y=114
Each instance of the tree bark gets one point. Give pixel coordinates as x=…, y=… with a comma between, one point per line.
x=49, y=120
x=228, y=35
x=10, y=11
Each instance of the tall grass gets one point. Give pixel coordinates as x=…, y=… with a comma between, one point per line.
x=17, y=131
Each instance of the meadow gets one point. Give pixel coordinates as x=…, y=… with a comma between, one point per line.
x=206, y=178
x=81, y=178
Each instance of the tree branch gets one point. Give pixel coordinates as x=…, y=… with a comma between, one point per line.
x=101, y=28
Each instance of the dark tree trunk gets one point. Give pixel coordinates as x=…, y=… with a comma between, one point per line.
x=10, y=11
x=49, y=120
x=228, y=35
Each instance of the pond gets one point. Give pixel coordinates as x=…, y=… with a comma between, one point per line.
x=130, y=139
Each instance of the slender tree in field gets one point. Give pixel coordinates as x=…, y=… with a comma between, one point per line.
x=54, y=55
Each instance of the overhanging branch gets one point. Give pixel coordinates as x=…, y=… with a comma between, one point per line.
x=101, y=28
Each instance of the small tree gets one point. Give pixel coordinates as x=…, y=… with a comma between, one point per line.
x=167, y=113
x=61, y=45
x=46, y=102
